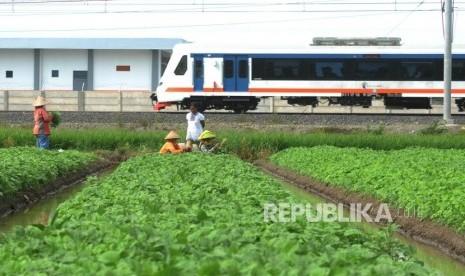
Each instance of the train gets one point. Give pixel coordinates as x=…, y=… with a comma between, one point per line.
x=236, y=78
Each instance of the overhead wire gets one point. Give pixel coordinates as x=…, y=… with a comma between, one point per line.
x=145, y=27
x=405, y=18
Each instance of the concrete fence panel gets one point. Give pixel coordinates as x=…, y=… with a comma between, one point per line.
x=21, y=100
x=136, y=101
x=62, y=100
x=4, y=100
x=102, y=101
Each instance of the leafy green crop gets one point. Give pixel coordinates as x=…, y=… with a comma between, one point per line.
x=193, y=214
x=428, y=183
x=56, y=118
x=25, y=168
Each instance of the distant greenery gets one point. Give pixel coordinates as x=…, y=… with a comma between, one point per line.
x=428, y=183
x=248, y=144
x=194, y=214
x=29, y=168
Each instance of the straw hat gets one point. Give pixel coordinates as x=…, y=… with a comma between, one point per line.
x=39, y=101
x=207, y=134
x=172, y=135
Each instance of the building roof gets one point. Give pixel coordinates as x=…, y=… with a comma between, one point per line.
x=90, y=43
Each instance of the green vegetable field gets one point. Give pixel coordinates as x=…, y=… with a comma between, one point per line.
x=429, y=182
x=193, y=215
x=24, y=168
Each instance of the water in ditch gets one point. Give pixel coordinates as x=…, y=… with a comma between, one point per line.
x=430, y=255
x=40, y=212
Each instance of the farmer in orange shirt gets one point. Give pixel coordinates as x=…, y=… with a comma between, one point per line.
x=171, y=145
x=42, y=120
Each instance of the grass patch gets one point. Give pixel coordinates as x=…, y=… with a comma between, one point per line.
x=248, y=144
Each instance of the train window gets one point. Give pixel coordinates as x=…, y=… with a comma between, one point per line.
x=182, y=66
x=458, y=70
x=198, y=69
x=372, y=70
x=228, y=69
x=165, y=58
x=286, y=69
x=243, y=69
x=258, y=69
x=330, y=70
x=416, y=70
x=282, y=69
x=362, y=69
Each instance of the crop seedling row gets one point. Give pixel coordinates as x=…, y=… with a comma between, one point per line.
x=194, y=214
x=426, y=183
x=24, y=168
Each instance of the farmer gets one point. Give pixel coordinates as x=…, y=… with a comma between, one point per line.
x=208, y=142
x=195, y=125
x=171, y=145
x=42, y=120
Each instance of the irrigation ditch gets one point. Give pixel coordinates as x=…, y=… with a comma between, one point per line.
x=26, y=199
x=434, y=240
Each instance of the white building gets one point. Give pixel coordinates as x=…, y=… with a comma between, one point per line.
x=83, y=64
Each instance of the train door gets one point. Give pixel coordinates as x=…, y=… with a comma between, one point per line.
x=198, y=73
x=235, y=73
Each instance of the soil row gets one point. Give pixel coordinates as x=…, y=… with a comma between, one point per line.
x=28, y=197
x=446, y=239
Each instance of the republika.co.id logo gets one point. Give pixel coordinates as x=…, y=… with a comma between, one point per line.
x=326, y=212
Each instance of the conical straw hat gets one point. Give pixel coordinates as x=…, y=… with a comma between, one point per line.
x=172, y=135
x=207, y=134
x=39, y=101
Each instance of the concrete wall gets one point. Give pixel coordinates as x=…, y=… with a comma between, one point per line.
x=21, y=62
x=107, y=78
x=139, y=101
x=130, y=101
x=116, y=101
x=21, y=100
x=65, y=61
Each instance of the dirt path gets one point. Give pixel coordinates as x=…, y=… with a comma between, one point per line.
x=447, y=240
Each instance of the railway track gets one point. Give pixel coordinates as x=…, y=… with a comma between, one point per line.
x=323, y=119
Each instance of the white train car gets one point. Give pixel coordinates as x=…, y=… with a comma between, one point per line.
x=235, y=79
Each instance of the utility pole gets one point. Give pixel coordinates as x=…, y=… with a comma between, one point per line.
x=448, y=36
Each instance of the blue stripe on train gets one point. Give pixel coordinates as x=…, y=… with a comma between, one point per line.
x=338, y=56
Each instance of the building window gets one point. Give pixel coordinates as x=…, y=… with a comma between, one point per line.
x=123, y=68
x=9, y=74
x=55, y=73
